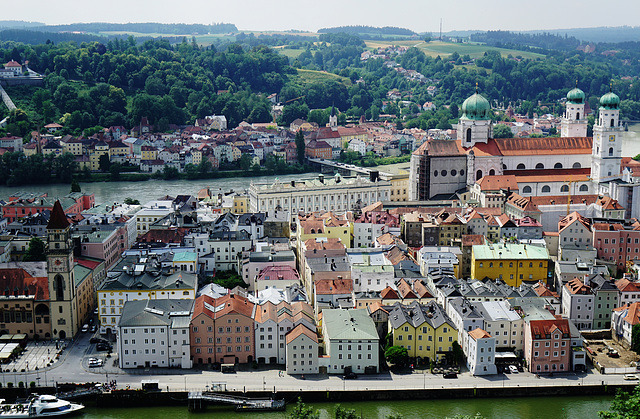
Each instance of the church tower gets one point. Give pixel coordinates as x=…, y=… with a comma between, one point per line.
x=475, y=123
x=333, y=119
x=574, y=120
x=62, y=290
x=607, y=140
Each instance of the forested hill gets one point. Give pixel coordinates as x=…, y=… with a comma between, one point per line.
x=359, y=29
x=517, y=40
x=29, y=36
x=149, y=27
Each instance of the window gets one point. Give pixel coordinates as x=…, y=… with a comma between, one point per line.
x=564, y=188
x=546, y=189
x=526, y=189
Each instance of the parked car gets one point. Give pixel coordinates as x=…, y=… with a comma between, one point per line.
x=98, y=340
x=95, y=311
x=85, y=328
x=93, y=328
x=103, y=347
x=513, y=369
x=95, y=362
x=613, y=353
x=631, y=377
x=350, y=376
x=449, y=375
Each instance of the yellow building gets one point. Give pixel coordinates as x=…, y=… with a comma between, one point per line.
x=424, y=330
x=118, y=148
x=148, y=152
x=315, y=225
x=236, y=153
x=197, y=156
x=240, y=204
x=451, y=230
x=100, y=149
x=72, y=145
x=512, y=263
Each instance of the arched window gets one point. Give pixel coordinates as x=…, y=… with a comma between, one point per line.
x=526, y=189
x=584, y=188
x=546, y=189
x=504, y=166
x=492, y=172
x=564, y=188
x=578, y=116
x=468, y=135
x=491, y=264
x=557, y=166
x=479, y=175
x=539, y=166
x=610, y=151
x=577, y=165
x=521, y=166
x=59, y=287
x=612, y=122
x=501, y=264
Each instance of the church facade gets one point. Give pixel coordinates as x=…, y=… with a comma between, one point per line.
x=551, y=166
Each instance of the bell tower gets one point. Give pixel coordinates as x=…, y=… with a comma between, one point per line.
x=62, y=290
x=607, y=140
x=574, y=120
x=474, y=125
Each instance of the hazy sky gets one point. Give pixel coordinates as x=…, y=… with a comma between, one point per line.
x=418, y=15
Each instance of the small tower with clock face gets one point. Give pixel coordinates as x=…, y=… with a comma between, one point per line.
x=62, y=292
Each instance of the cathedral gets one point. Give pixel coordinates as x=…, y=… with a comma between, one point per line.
x=551, y=166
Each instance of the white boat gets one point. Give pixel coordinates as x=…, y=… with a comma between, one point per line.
x=39, y=407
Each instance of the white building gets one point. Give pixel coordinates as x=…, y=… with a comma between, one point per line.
x=503, y=323
x=351, y=341
x=578, y=303
x=480, y=351
x=155, y=333
x=336, y=194
x=302, y=351
x=623, y=320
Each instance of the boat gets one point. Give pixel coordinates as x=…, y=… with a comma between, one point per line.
x=39, y=406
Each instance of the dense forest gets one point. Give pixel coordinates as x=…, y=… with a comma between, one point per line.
x=150, y=27
x=372, y=30
x=91, y=85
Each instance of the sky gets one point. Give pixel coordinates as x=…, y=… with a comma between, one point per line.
x=310, y=15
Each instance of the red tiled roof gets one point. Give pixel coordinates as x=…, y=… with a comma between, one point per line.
x=333, y=286
x=300, y=329
x=478, y=333
x=389, y=294
x=495, y=183
x=20, y=282
x=542, y=328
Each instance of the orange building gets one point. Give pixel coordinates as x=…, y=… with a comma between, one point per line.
x=222, y=330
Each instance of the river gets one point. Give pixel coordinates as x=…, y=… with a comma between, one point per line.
x=109, y=192
x=521, y=408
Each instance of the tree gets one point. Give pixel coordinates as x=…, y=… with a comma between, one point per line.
x=635, y=338
x=502, y=131
x=302, y=411
x=131, y=201
x=300, y=146
x=36, y=251
x=397, y=355
x=624, y=405
x=229, y=279
x=245, y=161
x=458, y=354
x=75, y=186
x=343, y=413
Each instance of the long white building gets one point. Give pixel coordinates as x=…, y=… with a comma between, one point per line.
x=336, y=194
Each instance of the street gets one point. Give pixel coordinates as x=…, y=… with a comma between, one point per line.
x=73, y=367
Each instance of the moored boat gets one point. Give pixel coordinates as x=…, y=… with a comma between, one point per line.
x=39, y=406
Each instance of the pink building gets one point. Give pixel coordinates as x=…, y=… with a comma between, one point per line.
x=107, y=245
x=222, y=330
x=547, y=346
x=278, y=277
x=619, y=242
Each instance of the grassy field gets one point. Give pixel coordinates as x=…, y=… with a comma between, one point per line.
x=443, y=49
x=312, y=76
x=288, y=52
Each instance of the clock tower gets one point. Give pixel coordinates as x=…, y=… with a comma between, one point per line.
x=62, y=290
x=607, y=140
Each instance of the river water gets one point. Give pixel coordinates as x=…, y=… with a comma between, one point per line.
x=520, y=408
